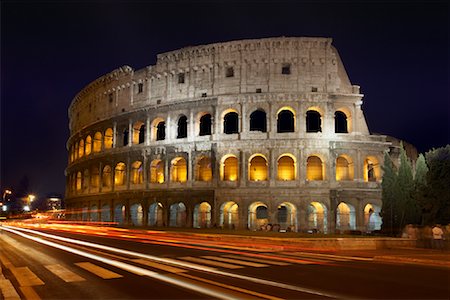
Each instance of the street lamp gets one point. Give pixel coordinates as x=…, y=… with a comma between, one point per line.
x=30, y=199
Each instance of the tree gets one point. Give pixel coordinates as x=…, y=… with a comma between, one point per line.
x=420, y=183
x=388, y=195
x=408, y=209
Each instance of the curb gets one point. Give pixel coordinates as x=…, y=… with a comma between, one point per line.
x=410, y=260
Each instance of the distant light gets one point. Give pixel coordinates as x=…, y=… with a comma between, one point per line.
x=8, y=192
x=54, y=199
x=31, y=197
x=4, y=207
x=26, y=208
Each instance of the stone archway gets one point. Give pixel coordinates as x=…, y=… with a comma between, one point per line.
x=287, y=216
x=156, y=215
x=258, y=216
x=202, y=215
x=372, y=217
x=345, y=217
x=317, y=217
x=177, y=215
x=137, y=214
x=229, y=215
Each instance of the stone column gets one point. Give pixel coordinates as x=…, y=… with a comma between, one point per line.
x=332, y=212
x=130, y=133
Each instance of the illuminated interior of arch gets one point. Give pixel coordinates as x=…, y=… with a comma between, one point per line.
x=258, y=169
x=97, y=142
x=95, y=178
x=230, y=169
x=108, y=138
x=229, y=215
x=286, y=168
x=137, y=173
x=157, y=171
x=314, y=168
x=204, y=170
x=120, y=174
x=344, y=169
x=78, y=182
x=372, y=170
x=138, y=132
x=107, y=177
x=81, y=149
x=179, y=170
x=88, y=146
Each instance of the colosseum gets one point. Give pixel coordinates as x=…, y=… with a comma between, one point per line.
x=234, y=135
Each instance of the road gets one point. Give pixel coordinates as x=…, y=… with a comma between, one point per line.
x=87, y=262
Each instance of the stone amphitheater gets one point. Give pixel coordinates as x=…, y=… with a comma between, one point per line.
x=260, y=134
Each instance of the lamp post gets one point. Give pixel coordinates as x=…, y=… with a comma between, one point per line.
x=30, y=199
x=3, y=203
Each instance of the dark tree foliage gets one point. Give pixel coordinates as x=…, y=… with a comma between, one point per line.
x=389, y=210
x=409, y=211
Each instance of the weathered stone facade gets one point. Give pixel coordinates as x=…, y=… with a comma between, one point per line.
x=237, y=134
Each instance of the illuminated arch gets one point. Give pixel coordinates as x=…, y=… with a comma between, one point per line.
x=317, y=217
x=107, y=177
x=287, y=216
x=258, y=120
x=345, y=217
x=344, y=168
x=157, y=171
x=229, y=215
x=88, y=146
x=203, y=170
x=205, y=124
x=202, y=215
x=372, y=217
x=95, y=178
x=258, y=215
x=343, y=120
x=158, y=129
x=257, y=168
x=137, y=214
x=76, y=151
x=286, y=120
x=109, y=138
x=372, y=170
x=138, y=133
x=229, y=168
x=286, y=167
x=120, y=214
x=314, y=119
x=182, y=127
x=97, y=147
x=156, y=214
x=79, y=180
x=230, y=121
x=314, y=168
x=178, y=170
x=177, y=215
x=137, y=173
x=120, y=174
x=81, y=148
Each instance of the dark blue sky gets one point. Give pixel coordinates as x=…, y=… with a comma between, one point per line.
x=398, y=53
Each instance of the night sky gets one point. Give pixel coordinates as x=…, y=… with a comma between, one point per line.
x=398, y=53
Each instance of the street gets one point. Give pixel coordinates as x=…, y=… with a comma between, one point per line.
x=88, y=262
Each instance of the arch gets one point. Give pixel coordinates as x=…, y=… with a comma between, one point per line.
x=203, y=170
x=258, y=216
x=229, y=169
x=205, y=124
x=285, y=120
x=120, y=174
x=372, y=170
x=86, y=179
x=71, y=154
x=182, y=127
x=157, y=171
x=372, y=217
x=286, y=167
x=155, y=214
x=229, y=215
x=94, y=213
x=314, y=168
x=126, y=137
x=287, y=216
x=137, y=173
x=177, y=215
x=119, y=214
x=158, y=129
x=258, y=120
x=345, y=217
x=202, y=215
x=313, y=121
x=317, y=217
x=138, y=133
x=137, y=214
x=107, y=177
x=79, y=180
x=88, y=145
x=344, y=168
x=97, y=145
x=81, y=148
x=105, y=213
x=95, y=177
x=76, y=150
x=257, y=167
x=85, y=213
x=231, y=123
x=109, y=138
x=340, y=122
x=178, y=170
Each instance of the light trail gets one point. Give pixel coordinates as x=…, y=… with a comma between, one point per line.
x=185, y=265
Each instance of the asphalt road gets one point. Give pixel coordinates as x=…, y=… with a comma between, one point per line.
x=124, y=266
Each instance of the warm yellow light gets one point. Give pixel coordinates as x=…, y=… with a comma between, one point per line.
x=31, y=197
x=8, y=192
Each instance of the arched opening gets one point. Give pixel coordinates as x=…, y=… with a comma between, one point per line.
x=155, y=215
x=125, y=137
x=229, y=215
x=157, y=171
x=345, y=217
x=178, y=170
x=161, y=131
x=79, y=181
x=286, y=168
x=88, y=147
x=120, y=174
x=85, y=213
x=231, y=123
x=340, y=122
x=108, y=138
x=344, y=168
x=95, y=178
x=258, y=121
x=138, y=133
x=203, y=169
x=372, y=170
x=119, y=214
x=317, y=217
x=94, y=213
x=230, y=170
x=285, y=121
x=313, y=121
x=258, y=216
x=314, y=168
x=137, y=214
x=107, y=177
x=177, y=215
x=287, y=216
x=182, y=127
x=372, y=217
x=105, y=213
x=86, y=179
x=81, y=149
x=205, y=125
x=97, y=147
x=202, y=215
x=71, y=154
x=76, y=150
x=257, y=168
x=137, y=176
